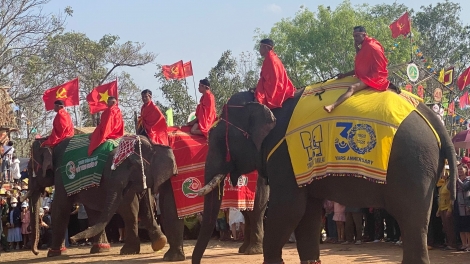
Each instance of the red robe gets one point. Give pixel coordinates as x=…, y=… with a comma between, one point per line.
x=205, y=112
x=62, y=127
x=370, y=65
x=110, y=127
x=274, y=86
x=154, y=123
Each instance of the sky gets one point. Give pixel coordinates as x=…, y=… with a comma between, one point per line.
x=199, y=31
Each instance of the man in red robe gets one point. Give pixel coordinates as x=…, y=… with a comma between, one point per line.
x=152, y=122
x=111, y=125
x=274, y=86
x=62, y=126
x=370, y=67
x=205, y=111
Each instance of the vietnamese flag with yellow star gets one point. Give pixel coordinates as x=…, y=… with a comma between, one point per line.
x=67, y=92
x=464, y=79
x=98, y=98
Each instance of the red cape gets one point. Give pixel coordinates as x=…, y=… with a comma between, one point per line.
x=274, y=86
x=206, y=113
x=62, y=128
x=110, y=127
x=370, y=65
x=154, y=123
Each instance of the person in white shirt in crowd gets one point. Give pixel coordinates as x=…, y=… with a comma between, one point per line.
x=15, y=170
x=6, y=161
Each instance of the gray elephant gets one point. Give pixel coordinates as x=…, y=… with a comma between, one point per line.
x=121, y=189
x=251, y=131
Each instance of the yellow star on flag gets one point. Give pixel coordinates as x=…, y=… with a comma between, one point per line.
x=104, y=97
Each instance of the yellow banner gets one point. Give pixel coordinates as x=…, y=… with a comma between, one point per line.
x=354, y=140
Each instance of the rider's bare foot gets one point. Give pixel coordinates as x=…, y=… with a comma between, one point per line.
x=328, y=108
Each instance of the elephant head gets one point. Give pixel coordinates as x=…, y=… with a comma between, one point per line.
x=234, y=147
x=156, y=162
x=42, y=175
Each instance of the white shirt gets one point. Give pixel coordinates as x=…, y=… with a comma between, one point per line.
x=9, y=155
x=15, y=169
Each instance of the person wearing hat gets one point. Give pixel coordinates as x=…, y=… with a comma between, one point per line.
x=274, y=86
x=370, y=67
x=14, y=224
x=111, y=125
x=25, y=220
x=3, y=218
x=205, y=111
x=62, y=126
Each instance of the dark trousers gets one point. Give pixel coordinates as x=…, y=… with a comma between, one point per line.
x=393, y=230
x=353, y=229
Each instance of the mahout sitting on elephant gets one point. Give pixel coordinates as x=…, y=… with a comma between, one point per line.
x=254, y=136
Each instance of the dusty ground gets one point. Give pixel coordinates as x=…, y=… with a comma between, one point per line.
x=225, y=252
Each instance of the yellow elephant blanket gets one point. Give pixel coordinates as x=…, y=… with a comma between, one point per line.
x=354, y=140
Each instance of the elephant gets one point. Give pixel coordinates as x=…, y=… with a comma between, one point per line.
x=124, y=184
x=249, y=131
x=174, y=227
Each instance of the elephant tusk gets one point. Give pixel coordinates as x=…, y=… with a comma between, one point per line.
x=211, y=185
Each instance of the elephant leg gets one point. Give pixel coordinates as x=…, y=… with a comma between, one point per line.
x=286, y=209
x=60, y=215
x=147, y=217
x=129, y=212
x=100, y=241
x=254, y=232
x=173, y=226
x=308, y=232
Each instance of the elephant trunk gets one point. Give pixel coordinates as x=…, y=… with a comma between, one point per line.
x=212, y=203
x=35, y=206
x=211, y=185
x=113, y=199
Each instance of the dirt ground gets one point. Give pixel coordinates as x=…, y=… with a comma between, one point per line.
x=225, y=252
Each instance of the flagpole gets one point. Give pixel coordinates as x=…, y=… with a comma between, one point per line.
x=194, y=85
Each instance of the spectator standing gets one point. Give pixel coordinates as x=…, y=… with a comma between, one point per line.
x=353, y=223
x=331, y=231
x=14, y=224
x=25, y=220
x=461, y=206
x=340, y=218
x=15, y=170
x=236, y=218
x=6, y=161
x=444, y=211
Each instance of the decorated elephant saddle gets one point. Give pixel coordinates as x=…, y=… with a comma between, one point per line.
x=353, y=140
x=80, y=171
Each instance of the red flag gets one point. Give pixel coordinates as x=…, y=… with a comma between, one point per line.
x=464, y=79
x=173, y=71
x=449, y=76
x=463, y=100
x=98, y=98
x=420, y=91
x=451, y=109
x=401, y=26
x=188, y=69
x=409, y=88
x=67, y=92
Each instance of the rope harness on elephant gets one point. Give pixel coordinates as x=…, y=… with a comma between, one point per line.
x=245, y=134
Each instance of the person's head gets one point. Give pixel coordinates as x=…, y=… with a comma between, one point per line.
x=204, y=85
x=59, y=104
x=10, y=143
x=24, y=206
x=359, y=34
x=112, y=101
x=265, y=45
x=14, y=157
x=462, y=170
x=146, y=96
x=13, y=202
x=46, y=209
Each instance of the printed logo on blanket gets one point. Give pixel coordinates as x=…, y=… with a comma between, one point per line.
x=190, y=187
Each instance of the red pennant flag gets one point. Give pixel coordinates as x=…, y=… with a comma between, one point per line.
x=401, y=26
x=188, y=69
x=449, y=76
x=451, y=109
x=173, y=71
x=464, y=79
x=409, y=88
x=67, y=92
x=463, y=100
x=98, y=98
x=421, y=91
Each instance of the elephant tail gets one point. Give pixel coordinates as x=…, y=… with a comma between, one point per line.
x=113, y=199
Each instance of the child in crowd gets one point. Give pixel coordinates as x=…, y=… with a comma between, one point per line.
x=25, y=219
x=15, y=170
x=340, y=218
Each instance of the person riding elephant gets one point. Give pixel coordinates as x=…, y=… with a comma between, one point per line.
x=62, y=126
x=205, y=111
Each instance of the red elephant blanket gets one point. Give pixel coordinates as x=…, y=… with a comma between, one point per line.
x=190, y=153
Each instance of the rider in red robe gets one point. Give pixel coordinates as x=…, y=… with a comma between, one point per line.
x=274, y=86
x=152, y=122
x=205, y=111
x=62, y=126
x=370, y=67
x=110, y=127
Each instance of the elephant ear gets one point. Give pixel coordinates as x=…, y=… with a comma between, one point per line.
x=261, y=122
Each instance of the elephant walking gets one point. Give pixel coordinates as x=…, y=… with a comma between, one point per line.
x=124, y=184
x=415, y=163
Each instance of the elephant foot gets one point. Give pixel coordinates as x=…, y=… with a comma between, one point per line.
x=159, y=243
x=252, y=249
x=174, y=255
x=56, y=252
x=100, y=248
x=243, y=247
x=130, y=250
